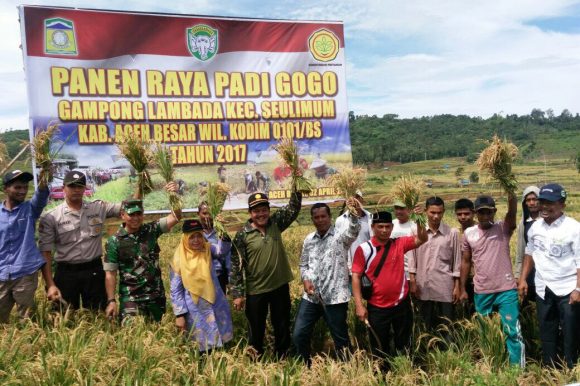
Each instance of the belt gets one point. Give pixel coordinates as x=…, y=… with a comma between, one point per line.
x=95, y=263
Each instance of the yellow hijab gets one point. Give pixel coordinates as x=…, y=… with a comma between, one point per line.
x=194, y=267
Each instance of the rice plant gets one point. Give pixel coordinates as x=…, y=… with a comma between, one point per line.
x=496, y=161
x=288, y=153
x=139, y=154
x=162, y=159
x=408, y=189
x=348, y=182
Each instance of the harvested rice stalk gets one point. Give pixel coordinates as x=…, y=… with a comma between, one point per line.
x=347, y=182
x=3, y=156
x=288, y=152
x=45, y=151
x=164, y=162
x=408, y=189
x=496, y=161
x=215, y=194
x=138, y=153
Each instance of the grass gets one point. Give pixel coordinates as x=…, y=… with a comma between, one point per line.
x=85, y=349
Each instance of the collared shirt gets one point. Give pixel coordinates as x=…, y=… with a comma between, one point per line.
x=324, y=261
x=555, y=249
x=136, y=257
x=76, y=236
x=408, y=228
x=19, y=255
x=490, y=252
x=436, y=263
x=222, y=258
x=261, y=259
x=390, y=288
x=365, y=233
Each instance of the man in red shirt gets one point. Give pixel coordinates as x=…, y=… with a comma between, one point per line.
x=388, y=306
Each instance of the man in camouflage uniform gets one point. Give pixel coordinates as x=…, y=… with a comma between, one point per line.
x=260, y=269
x=134, y=252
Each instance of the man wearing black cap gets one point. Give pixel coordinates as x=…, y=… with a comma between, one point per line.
x=20, y=259
x=261, y=270
x=73, y=230
x=487, y=245
x=554, y=249
x=133, y=252
x=382, y=260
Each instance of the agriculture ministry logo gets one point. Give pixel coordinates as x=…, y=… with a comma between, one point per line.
x=202, y=41
x=323, y=45
x=59, y=37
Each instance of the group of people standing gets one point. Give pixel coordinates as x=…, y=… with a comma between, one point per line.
x=391, y=267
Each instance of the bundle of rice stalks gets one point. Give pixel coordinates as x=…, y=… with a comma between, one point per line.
x=215, y=194
x=408, y=189
x=164, y=162
x=138, y=153
x=288, y=152
x=44, y=150
x=347, y=183
x=496, y=160
x=3, y=156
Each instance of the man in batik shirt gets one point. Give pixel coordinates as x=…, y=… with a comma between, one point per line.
x=134, y=252
x=325, y=275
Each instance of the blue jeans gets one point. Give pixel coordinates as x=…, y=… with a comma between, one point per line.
x=554, y=312
x=308, y=314
x=507, y=306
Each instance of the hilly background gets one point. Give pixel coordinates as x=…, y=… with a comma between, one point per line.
x=380, y=140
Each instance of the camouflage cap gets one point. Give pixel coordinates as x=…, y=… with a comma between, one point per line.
x=133, y=206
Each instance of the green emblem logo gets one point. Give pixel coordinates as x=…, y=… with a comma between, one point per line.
x=323, y=45
x=202, y=41
x=59, y=37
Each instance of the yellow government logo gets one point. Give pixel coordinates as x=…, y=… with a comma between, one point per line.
x=258, y=196
x=59, y=37
x=323, y=45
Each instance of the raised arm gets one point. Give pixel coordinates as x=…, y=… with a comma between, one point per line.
x=510, y=216
x=286, y=215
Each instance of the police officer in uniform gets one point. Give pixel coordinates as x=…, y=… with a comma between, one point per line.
x=72, y=233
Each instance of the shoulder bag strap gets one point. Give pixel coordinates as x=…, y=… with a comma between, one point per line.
x=383, y=259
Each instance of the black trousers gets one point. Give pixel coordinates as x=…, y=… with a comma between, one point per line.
x=555, y=312
x=399, y=320
x=82, y=282
x=435, y=314
x=278, y=303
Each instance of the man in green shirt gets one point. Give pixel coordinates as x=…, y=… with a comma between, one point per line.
x=133, y=251
x=261, y=271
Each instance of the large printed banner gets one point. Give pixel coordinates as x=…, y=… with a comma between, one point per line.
x=218, y=92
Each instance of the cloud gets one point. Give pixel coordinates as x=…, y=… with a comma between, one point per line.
x=409, y=58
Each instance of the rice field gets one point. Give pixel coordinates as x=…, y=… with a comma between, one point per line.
x=84, y=348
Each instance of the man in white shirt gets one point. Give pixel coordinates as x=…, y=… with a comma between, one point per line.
x=403, y=226
x=554, y=249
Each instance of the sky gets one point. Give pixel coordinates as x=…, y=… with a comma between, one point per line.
x=411, y=58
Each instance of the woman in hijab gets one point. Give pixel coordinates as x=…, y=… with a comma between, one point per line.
x=199, y=304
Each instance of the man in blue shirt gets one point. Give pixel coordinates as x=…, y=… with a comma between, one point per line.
x=20, y=259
